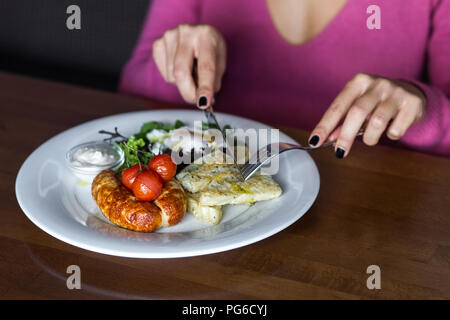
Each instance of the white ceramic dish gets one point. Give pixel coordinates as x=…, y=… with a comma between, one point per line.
x=88, y=173
x=58, y=203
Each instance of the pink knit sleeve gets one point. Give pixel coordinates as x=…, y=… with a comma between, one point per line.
x=432, y=134
x=140, y=76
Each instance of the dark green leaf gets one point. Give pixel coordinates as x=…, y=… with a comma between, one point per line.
x=149, y=126
x=168, y=127
x=179, y=124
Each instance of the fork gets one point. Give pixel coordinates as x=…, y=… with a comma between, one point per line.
x=265, y=154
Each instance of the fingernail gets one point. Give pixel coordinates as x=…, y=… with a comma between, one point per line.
x=394, y=132
x=202, y=101
x=340, y=152
x=314, y=140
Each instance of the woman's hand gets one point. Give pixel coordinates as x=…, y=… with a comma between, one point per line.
x=371, y=102
x=175, y=53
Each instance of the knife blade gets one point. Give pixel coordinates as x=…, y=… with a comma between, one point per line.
x=212, y=122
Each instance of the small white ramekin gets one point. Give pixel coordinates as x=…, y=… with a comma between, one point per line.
x=87, y=174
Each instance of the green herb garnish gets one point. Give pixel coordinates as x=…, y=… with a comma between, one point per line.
x=136, y=147
x=135, y=152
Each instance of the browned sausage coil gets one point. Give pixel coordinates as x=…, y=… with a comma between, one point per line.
x=120, y=206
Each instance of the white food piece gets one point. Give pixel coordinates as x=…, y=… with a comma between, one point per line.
x=208, y=214
x=196, y=177
x=157, y=138
x=156, y=148
x=221, y=184
x=179, y=139
x=157, y=135
x=225, y=191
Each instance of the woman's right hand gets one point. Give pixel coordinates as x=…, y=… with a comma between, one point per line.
x=174, y=54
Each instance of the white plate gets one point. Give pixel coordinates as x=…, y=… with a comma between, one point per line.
x=56, y=202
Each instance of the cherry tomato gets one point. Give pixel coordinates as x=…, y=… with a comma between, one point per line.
x=128, y=175
x=147, y=186
x=164, y=166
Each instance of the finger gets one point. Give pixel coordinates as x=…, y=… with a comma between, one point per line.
x=159, y=56
x=171, y=45
x=184, y=59
x=402, y=121
x=220, y=67
x=379, y=120
x=339, y=108
x=206, y=71
x=354, y=120
x=335, y=134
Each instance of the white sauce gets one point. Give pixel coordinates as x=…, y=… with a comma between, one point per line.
x=92, y=156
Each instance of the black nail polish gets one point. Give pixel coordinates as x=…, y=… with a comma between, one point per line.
x=314, y=140
x=203, y=101
x=340, y=152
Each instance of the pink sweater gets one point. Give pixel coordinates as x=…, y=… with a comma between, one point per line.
x=272, y=81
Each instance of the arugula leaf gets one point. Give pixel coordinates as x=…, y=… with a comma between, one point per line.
x=149, y=126
x=168, y=127
x=179, y=124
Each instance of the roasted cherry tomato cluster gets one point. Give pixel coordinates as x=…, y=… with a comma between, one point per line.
x=146, y=182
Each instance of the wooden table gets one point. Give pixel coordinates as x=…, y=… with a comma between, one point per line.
x=381, y=206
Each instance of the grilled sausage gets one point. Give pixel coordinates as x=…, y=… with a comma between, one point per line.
x=173, y=203
x=120, y=206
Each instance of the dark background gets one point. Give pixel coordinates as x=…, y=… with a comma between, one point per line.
x=34, y=39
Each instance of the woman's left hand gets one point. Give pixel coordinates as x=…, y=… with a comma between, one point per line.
x=371, y=102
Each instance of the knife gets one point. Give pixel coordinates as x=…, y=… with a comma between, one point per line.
x=213, y=123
